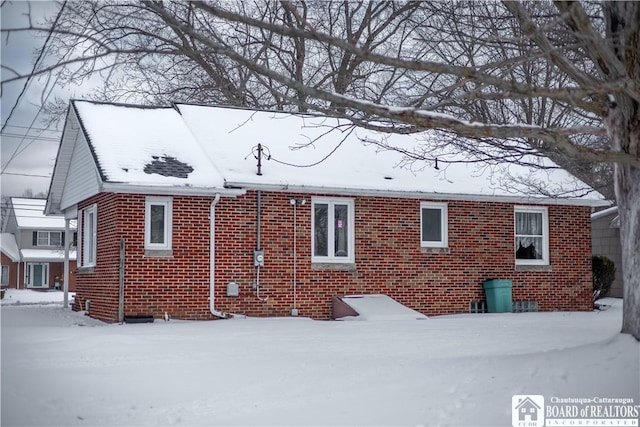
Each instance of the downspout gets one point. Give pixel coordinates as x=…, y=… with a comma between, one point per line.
x=259, y=242
x=294, y=311
x=212, y=263
x=121, y=281
x=65, y=274
x=18, y=272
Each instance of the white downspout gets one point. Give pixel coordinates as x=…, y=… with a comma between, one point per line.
x=212, y=262
x=65, y=275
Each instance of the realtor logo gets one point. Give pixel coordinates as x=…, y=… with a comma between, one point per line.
x=527, y=411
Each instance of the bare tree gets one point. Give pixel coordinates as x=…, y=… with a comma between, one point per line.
x=500, y=81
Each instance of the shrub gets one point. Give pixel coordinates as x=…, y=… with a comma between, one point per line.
x=604, y=271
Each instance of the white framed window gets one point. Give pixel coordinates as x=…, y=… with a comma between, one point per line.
x=158, y=223
x=434, y=228
x=48, y=238
x=37, y=274
x=4, y=277
x=88, y=236
x=333, y=224
x=531, y=231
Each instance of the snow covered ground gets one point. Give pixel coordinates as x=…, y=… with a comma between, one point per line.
x=63, y=368
x=28, y=296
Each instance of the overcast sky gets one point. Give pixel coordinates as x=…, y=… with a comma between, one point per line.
x=28, y=150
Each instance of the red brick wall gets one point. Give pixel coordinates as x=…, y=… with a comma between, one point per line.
x=388, y=258
x=99, y=284
x=56, y=269
x=154, y=285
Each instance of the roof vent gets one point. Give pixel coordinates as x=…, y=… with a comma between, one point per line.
x=168, y=166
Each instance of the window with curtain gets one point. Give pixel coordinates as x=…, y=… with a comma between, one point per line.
x=333, y=230
x=531, y=236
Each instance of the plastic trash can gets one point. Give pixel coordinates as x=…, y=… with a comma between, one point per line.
x=498, y=295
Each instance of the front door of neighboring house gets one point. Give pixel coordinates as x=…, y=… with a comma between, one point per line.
x=37, y=275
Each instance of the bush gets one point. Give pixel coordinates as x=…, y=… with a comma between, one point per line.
x=604, y=272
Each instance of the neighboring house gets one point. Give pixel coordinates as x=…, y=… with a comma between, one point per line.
x=605, y=237
x=200, y=211
x=10, y=256
x=32, y=247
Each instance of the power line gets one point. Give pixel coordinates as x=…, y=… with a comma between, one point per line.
x=26, y=174
x=40, y=138
x=41, y=54
x=45, y=47
x=32, y=128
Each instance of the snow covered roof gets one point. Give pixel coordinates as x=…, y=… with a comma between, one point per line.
x=213, y=147
x=46, y=255
x=9, y=246
x=145, y=146
x=29, y=213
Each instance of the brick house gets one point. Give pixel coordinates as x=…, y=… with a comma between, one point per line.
x=32, y=247
x=201, y=211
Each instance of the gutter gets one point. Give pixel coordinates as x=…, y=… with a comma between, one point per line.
x=308, y=189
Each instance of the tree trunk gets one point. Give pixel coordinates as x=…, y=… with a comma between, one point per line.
x=624, y=131
x=623, y=126
x=628, y=195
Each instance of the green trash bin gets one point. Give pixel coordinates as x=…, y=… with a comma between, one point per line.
x=498, y=294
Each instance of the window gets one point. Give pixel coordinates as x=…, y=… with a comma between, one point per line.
x=333, y=230
x=89, y=236
x=531, y=235
x=48, y=238
x=433, y=225
x=158, y=223
x=4, y=277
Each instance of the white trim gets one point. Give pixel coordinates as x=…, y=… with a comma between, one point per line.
x=85, y=247
x=167, y=204
x=124, y=188
x=415, y=194
x=331, y=257
x=444, y=225
x=545, y=234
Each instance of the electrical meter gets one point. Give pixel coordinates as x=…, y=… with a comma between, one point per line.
x=258, y=258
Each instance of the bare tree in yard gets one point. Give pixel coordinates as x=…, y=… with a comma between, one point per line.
x=503, y=82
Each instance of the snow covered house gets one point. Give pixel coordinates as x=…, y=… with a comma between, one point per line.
x=32, y=247
x=202, y=211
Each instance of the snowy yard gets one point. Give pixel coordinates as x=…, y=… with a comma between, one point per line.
x=63, y=368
